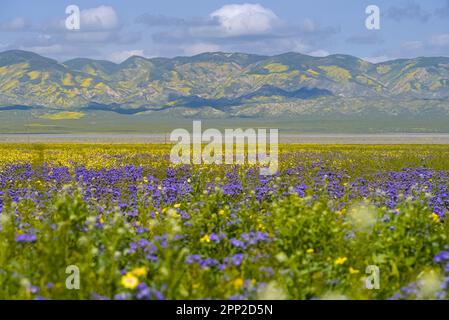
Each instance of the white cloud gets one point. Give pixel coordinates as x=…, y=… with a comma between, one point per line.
x=308, y=25
x=16, y=24
x=201, y=47
x=47, y=50
x=100, y=18
x=120, y=56
x=319, y=53
x=410, y=10
x=93, y=36
x=440, y=40
x=378, y=59
x=412, y=45
x=238, y=28
x=244, y=19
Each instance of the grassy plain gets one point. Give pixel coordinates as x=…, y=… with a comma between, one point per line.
x=137, y=227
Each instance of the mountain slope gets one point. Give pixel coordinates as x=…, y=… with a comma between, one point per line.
x=217, y=80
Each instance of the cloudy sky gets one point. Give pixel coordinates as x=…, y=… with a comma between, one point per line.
x=115, y=30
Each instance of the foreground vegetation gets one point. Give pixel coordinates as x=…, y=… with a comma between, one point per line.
x=138, y=228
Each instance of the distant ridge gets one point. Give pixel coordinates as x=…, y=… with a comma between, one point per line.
x=221, y=81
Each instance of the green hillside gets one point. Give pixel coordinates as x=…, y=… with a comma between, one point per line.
x=230, y=84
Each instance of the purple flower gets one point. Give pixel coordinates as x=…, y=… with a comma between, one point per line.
x=214, y=237
x=122, y=296
x=26, y=238
x=237, y=243
x=158, y=295
x=33, y=289
x=441, y=256
x=143, y=292
x=141, y=230
x=237, y=259
x=96, y=296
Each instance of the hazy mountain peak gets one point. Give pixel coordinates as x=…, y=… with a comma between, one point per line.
x=20, y=56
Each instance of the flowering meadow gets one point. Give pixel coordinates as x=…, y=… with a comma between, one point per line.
x=138, y=227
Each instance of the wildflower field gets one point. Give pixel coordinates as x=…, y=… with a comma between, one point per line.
x=138, y=227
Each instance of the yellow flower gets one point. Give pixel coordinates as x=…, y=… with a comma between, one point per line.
x=238, y=283
x=340, y=260
x=310, y=250
x=353, y=271
x=205, y=238
x=142, y=271
x=129, y=281
x=177, y=205
x=435, y=217
x=221, y=212
x=172, y=213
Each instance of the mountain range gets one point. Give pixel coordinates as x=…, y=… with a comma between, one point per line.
x=214, y=84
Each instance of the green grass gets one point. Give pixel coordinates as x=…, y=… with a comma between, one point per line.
x=314, y=245
x=65, y=115
x=110, y=122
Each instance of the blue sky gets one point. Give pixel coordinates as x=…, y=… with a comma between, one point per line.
x=114, y=30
